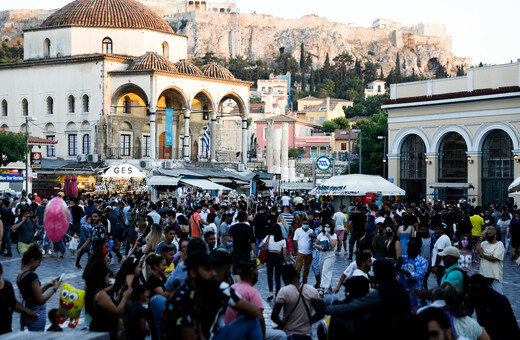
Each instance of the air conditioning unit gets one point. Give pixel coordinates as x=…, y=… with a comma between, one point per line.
x=241, y=167
x=82, y=158
x=93, y=158
x=145, y=164
x=167, y=165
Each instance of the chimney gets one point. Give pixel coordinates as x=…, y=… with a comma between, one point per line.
x=328, y=104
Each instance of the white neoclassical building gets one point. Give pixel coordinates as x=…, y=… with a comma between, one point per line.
x=99, y=75
x=457, y=138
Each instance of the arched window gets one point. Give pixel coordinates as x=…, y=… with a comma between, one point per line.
x=107, y=46
x=127, y=105
x=453, y=166
x=4, y=108
x=46, y=48
x=50, y=105
x=25, y=107
x=413, y=168
x=165, y=50
x=86, y=103
x=497, y=168
x=72, y=104
x=86, y=144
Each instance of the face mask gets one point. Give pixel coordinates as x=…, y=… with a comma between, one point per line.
x=229, y=245
x=317, y=223
x=464, y=243
x=327, y=230
x=388, y=233
x=305, y=226
x=146, y=223
x=490, y=238
x=279, y=211
x=136, y=230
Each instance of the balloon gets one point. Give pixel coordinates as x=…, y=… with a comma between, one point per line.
x=72, y=301
x=56, y=219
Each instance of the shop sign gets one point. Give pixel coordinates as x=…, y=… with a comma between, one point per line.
x=323, y=163
x=11, y=178
x=168, y=140
x=36, y=160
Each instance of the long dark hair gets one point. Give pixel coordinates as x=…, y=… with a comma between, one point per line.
x=95, y=281
x=97, y=254
x=127, y=268
x=276, y=231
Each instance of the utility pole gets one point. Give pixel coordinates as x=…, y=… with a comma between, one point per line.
x=358, y=131
x=384, y=154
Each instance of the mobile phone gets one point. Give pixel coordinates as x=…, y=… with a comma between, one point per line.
x=61, y=277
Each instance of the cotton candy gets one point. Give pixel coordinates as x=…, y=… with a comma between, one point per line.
x=56, y=219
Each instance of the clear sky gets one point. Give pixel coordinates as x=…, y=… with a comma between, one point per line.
x=484, y=30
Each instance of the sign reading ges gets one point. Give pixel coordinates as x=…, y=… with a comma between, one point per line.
x=323, y=163
x=123, y=170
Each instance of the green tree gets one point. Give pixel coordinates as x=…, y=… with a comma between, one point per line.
x=303, y=67
x=372, y=147
x=296, y=152
x=13, y=147
x=256, y=101
x=460, y=71
x=370, y=73
x=326, y=69
x=312, y=85
x=342, y=123
x=325, y=89
x=329, y=126
x=441, y=72
x=11, y=53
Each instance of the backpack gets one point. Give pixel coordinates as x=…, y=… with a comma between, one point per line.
x=465, y=280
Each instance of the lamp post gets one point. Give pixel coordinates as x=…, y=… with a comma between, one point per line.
x=384, y=154
x=27, y=120
x=358, y=131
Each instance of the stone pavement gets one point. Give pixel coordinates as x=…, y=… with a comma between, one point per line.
x=51, y=268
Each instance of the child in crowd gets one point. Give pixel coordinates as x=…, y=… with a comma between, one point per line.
x=55, y=326
x=135, y=315
x=73, y=245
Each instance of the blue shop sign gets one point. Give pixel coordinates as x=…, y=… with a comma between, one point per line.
x=11, y=178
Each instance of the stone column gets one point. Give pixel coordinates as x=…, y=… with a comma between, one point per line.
x=186, y=147
x=277, y=136
x=285, y=152
x=153, y=141
x=269, y=146
x=516, y=172
x=177, y=140
x=244, y=140
x=432, y=170
x=213, y=137
x=475, y=176
x=394, y=168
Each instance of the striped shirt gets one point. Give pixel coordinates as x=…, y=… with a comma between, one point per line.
x=288, y=218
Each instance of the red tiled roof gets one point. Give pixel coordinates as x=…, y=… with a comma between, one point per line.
x=107, y=13
x=339, y=136
x=187, y=67
x=309, y=98
x=453, y=95
x=153, y=61
x=38, y=140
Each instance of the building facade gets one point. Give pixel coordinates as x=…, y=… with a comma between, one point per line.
x=457, y=139
x=318, y=110
x=100, y=77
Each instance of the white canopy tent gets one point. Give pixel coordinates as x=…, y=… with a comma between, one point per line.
x=357, y=185
x=204, y=184
x=124, y=170
x=163, y=180
x=515, y=186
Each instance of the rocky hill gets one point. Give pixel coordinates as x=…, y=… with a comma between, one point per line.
x=421, y=48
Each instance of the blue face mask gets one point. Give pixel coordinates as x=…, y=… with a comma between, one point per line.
x=327, y=230
x=136, y=230
x=279, y=211
x=305, y=226
x=229, y=245
x=316, y=223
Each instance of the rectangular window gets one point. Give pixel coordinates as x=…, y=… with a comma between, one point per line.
x=86, y=144
x=146, y=146
x=322, y=119
x=125, y=145
x=51, y=149
x=343, y=146
x=73, y=144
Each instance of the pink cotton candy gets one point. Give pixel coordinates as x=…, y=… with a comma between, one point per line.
x=56, y=219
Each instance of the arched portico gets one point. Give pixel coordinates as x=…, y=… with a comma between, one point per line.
x=243, y=114
x=168, y=146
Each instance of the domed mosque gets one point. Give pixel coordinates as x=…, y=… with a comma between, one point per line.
x=102, y=78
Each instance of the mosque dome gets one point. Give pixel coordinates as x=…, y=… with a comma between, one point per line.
x=107, y=14
x=186, y=67
x=216, y=71
x=152, y=61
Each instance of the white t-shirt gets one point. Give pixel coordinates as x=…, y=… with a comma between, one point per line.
x=304, y=241
x=492, y=269
x=322, y=237
x=442, y=243
x=275, y=246
x=286, y=201
x=351, y=270
x=211, y=226
x=340, y=220
x=380, y=219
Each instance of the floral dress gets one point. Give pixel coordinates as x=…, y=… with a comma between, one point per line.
x=417, y=268
x=315, y=265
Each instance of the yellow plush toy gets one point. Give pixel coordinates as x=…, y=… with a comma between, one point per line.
x=72, y=301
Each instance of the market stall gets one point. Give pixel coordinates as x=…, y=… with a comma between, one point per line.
x=345, y=189
x=121, y=178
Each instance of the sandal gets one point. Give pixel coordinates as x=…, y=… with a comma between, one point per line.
x=270, y=298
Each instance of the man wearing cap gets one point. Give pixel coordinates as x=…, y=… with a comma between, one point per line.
x=248, y=271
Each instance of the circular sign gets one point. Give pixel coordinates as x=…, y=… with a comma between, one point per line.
x=323, y=163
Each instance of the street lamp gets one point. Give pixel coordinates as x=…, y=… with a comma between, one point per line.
x=358, y=131
x=27, y=120
x=384, y=154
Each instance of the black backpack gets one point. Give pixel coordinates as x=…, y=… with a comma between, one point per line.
x=8, y=218
x=465, y=280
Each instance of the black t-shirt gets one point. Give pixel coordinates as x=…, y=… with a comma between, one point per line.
x=358, y=222
x=134, y=313
x=77, y=213
x=243, y=236
x=7, y=304
x=25, y=286
x=154, y=282
x=261, y=223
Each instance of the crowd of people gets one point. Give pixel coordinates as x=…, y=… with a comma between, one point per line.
x=187, y=269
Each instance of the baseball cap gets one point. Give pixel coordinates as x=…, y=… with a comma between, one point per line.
x=450, y=251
